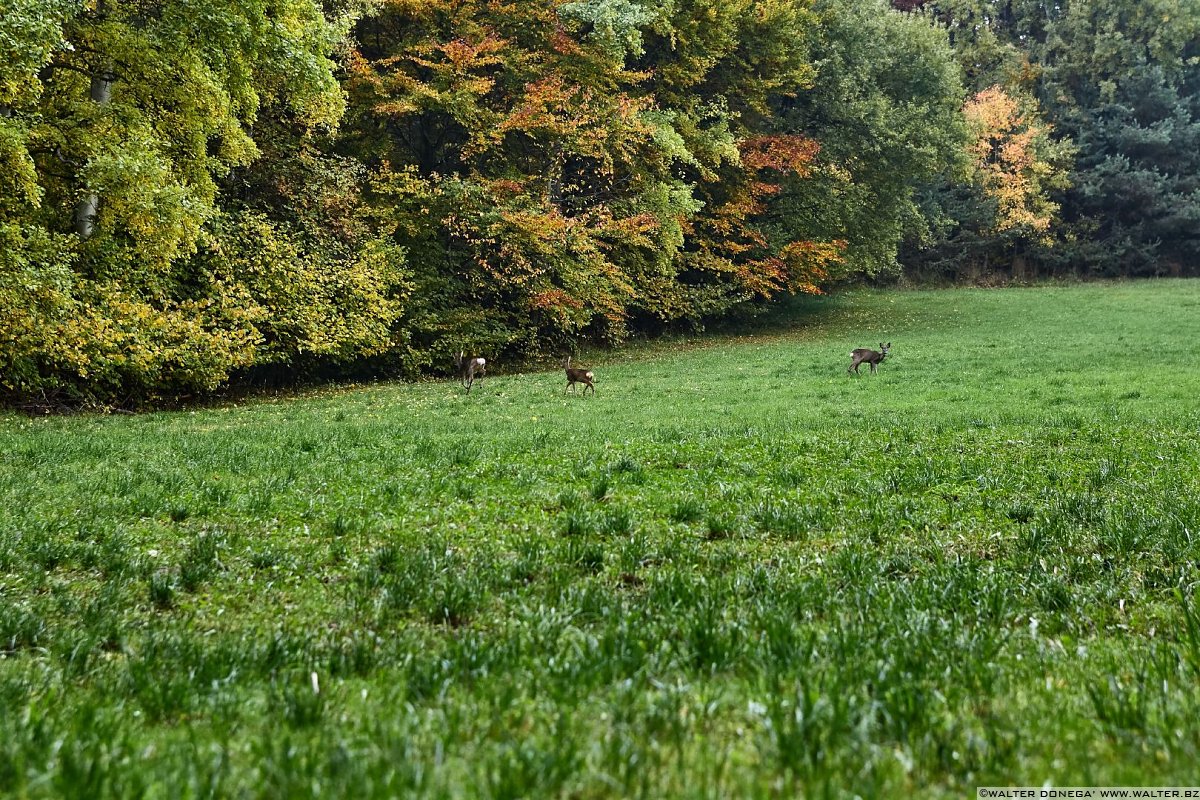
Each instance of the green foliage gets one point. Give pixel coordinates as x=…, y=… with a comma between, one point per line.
x=614, y=25
x=885, y=106
x=36, y=300
x=30, y=33
x=1123, y=80
x=304, y=308
x=68, y=339
x=138, y=131
x=18, y=180
x=1116, y=83
x=186, y=85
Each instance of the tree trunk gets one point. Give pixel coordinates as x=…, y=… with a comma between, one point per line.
x=554, y=176
x=977, y=269
x=85, y=211
x=1020, y=268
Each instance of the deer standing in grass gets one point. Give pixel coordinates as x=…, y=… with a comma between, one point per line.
x=575, y=376
x=871, y=357
x=469, y=369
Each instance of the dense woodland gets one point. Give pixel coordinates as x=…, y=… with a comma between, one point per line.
x=215, y=191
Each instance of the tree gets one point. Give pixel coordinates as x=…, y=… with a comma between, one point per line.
x=1123, y=81
x=999, y=211
x=724, y=71
x=1116, y=82
x=569, y=169
x=1005, y=160
x=120, y=120
x=885, y=106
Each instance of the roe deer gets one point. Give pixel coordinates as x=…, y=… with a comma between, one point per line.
x=575, y=376
x=872, y=357
x=469, y=369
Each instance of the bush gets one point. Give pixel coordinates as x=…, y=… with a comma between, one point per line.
x=252, y=296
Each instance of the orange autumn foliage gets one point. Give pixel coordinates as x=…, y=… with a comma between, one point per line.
x=1006, y=160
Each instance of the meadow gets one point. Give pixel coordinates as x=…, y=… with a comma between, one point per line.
x=734, y=571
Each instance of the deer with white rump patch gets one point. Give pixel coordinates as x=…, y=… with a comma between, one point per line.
x=469, y=369
x=575, y=376
x=865, y=354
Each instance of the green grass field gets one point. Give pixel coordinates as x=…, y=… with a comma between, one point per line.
x=735, y=571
